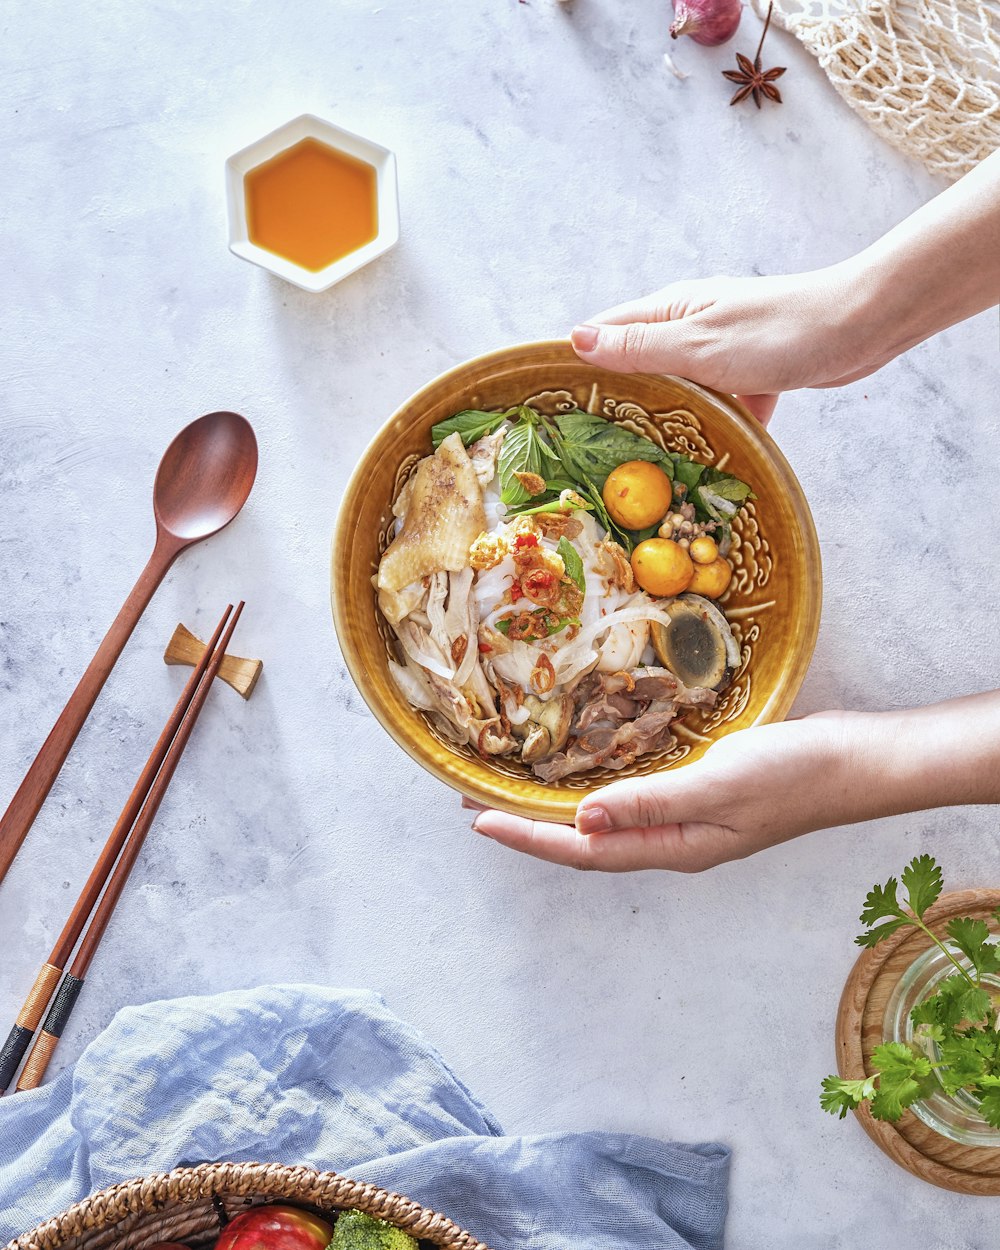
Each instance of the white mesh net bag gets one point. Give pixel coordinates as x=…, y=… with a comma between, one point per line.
x=924, y=73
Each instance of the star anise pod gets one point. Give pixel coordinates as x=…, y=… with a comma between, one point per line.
x=752, y=79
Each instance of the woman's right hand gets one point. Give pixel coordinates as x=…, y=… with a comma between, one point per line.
x=757, y=337
x=751, y=337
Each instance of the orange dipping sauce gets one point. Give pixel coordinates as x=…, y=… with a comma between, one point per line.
x=311, y=204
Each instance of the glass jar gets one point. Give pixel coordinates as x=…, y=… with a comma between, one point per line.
x=955, y=1116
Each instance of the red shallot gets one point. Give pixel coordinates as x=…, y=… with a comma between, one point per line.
x=708, y=22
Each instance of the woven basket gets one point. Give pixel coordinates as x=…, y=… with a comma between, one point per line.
x=185, y=1205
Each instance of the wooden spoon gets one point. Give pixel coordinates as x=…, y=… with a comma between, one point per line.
x=203, y=481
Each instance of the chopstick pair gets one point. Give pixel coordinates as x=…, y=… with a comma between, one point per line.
x=107, y=880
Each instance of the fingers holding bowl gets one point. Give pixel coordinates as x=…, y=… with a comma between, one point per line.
x=672, y=848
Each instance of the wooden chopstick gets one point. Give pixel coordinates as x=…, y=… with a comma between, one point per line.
x=123, y=845
x=48, y=978
x=33, y=1008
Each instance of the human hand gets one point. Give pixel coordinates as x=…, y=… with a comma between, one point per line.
x=757, y=337
x=751, y=337
x=751, y=789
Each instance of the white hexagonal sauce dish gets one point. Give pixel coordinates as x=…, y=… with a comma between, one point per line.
x=312, y=202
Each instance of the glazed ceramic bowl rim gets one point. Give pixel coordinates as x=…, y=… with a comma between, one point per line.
x=283, y=137
x=559, y=806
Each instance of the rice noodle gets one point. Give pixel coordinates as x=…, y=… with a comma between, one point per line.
x=572, y=659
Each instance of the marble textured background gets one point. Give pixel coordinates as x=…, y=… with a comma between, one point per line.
x=549, y=166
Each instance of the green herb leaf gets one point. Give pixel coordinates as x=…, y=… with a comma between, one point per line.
x=962, y=1065
x=471, y=423
x=880, y=901
x=972, y=939
x=840, y=1096
x=989, y=1107
x=903, y=1078
x=640, y=536
x=573, y=562
x=592, y=447
x=922, y=881
x=960, y=1018
x=720, y=500
x=687, y=471
x=614, y=531
x=523, y=451
x=873, y=936
x=955, y=1001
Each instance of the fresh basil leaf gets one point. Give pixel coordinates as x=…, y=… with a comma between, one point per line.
x=687, y=471
x=574, y=564
x=719, y=496
x=592, y=447
x=714, y=507
x=523, y=451
x=471, y=423
x=600, y=511
x=565, y=621
x=726, y=488
x=640, y=536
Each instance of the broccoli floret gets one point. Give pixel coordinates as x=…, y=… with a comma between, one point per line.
x=356, y=1231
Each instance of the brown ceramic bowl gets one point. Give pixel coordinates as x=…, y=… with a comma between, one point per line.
x=773, y=602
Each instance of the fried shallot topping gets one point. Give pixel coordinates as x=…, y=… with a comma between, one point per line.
x=529, y=626
x=543, y=675
x=541, y=577
x=487, y=551
x=616, y=566
x=559, y=524
x=532, y=483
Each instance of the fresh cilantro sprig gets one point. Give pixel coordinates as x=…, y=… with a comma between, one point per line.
x=960, y=1018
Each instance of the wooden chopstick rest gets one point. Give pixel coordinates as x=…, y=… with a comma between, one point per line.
x=241, y=674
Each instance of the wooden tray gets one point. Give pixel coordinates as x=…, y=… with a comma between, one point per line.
x=914, y=1146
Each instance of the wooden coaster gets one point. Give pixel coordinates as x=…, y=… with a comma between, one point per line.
x=914, y=1146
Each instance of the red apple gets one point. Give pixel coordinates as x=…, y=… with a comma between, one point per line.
x=275, y=1228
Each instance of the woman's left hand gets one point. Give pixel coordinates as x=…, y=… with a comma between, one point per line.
x=751, y=789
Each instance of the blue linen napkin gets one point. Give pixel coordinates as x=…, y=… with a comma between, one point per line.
x=332, y=1079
